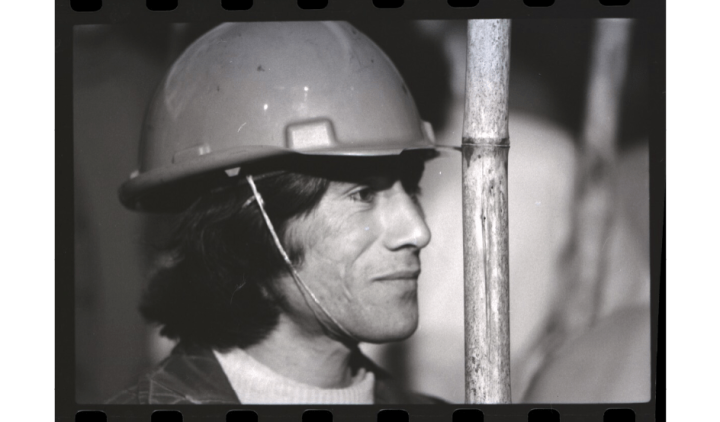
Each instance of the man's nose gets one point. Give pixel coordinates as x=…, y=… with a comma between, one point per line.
x=405, y=223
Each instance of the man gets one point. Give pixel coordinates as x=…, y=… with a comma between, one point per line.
x=292, y=154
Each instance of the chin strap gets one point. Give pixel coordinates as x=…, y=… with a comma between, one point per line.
x=327, y=320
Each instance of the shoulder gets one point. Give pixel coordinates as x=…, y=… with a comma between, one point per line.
x=190, y=375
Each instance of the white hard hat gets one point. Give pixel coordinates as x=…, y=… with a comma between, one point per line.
x=248, y=91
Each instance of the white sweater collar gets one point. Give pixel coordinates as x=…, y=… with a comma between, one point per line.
x=255, y=383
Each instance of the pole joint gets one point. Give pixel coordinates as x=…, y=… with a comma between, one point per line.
x=486, y=142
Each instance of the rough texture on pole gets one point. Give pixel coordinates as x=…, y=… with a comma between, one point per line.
x=485, y=213
x=487, y=346
x=486, y=82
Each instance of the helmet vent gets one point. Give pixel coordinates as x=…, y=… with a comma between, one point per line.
x=309, y=135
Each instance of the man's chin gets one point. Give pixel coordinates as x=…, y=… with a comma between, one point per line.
x=399, y=333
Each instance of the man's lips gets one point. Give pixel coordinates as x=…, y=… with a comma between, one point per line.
x=411, y=274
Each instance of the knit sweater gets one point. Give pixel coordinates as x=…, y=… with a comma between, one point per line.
x=255, y=383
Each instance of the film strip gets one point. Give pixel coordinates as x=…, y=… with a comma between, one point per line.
x=554, y=311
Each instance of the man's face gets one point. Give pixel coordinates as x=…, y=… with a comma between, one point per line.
x=361, y=256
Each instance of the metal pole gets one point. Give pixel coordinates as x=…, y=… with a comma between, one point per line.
x=485, y=145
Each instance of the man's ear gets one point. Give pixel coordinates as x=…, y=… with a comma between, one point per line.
x=293, y=241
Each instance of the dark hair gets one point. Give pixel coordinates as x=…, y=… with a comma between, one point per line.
x=217, y=290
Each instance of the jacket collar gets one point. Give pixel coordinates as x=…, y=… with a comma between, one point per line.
x=189, y=375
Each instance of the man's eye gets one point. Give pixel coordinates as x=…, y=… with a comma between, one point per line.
x=363, y=195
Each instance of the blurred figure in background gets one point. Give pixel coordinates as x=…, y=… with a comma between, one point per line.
x=595, y=344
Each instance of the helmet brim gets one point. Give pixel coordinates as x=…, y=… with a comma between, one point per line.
x=170, y=190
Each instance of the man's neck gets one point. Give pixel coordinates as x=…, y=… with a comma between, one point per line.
x=313, y=359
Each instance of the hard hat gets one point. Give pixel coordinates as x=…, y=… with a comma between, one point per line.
x=247, y=91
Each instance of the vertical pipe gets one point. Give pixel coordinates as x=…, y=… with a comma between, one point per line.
x=485, y=146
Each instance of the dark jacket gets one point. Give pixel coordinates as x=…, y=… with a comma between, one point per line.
x=192, y=375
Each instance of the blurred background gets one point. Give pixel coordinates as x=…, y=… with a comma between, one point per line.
x=579, y=218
